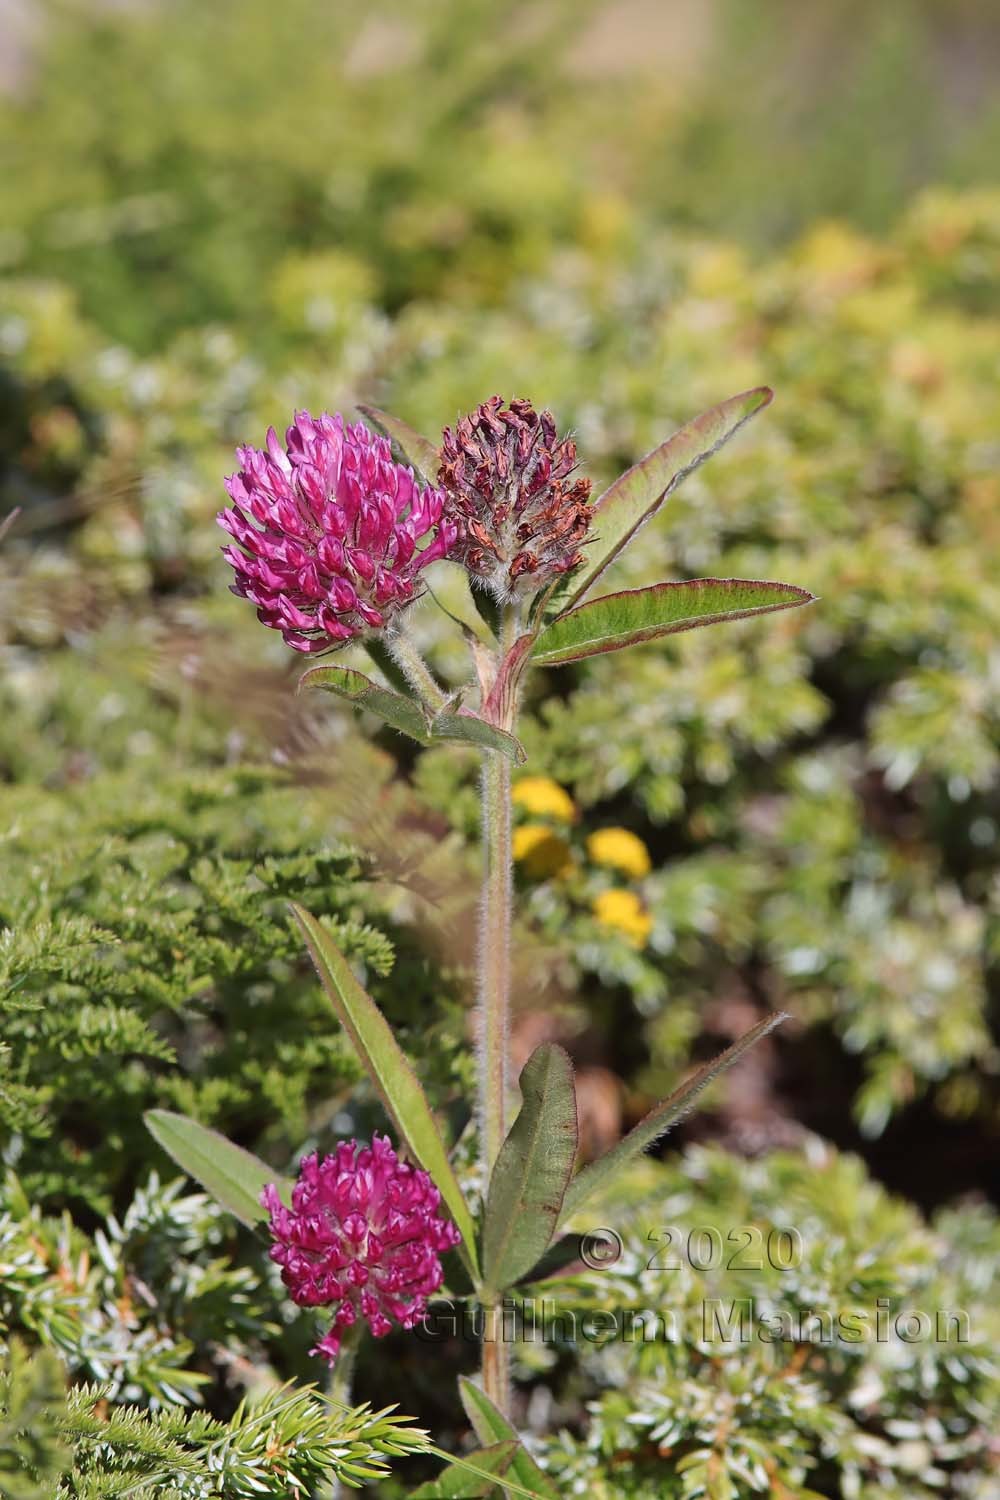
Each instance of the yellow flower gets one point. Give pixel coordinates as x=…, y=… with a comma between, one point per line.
x=541, y=852
x=625, y=912
x=544, y=799
x=618, y=849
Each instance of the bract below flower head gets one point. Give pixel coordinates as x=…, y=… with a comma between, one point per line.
x=327, y=529
x=520, y=514
x=363, y=1235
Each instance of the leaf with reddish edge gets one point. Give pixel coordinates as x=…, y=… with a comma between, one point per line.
x=391, y=1073
x=416, y=450
x=638, y=493
x=462, y=727
x=500, y=704
x=404, y=714
x=615, y=621
x=661, y=1117
x=234, y=1177
x=458, y=726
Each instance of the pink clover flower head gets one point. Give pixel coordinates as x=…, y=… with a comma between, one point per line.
x=326, y=531
x=363, y=1235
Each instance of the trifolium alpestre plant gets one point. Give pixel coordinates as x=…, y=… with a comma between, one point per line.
x=331, y=536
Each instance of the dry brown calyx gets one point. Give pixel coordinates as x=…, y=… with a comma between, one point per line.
x=520, y=513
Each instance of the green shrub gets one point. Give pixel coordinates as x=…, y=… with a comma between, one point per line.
x=148, y=959
x=177, y=167
x=286, y=1441
x=810, y=1375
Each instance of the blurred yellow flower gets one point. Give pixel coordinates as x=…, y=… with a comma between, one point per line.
x=541, y=852
x=544, y=798
x=625, y=912
x=618, y=849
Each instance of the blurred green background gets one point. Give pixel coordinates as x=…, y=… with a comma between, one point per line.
x=626, y=210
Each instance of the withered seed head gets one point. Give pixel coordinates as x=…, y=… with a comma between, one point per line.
x=520, y=515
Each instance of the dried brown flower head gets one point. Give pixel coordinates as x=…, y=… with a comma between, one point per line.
x=509, y=487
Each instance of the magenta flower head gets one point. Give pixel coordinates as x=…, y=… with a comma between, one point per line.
x=363, y=1235
x=510, y=486
x=327, y=530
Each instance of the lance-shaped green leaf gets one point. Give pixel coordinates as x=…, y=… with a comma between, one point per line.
x=360, y=691
x=661, y=1117
x=638, y=493
x=532, y=1169
x=461, y=1482
x=464, y=728
x=491, y=1426
x=562, y=1253
x=391, y=1073
x=234, y=1177
x=618, y=620
x=418, y=451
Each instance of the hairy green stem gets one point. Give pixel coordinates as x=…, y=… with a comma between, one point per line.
x=494, y=957
x=494, y=1004
x=416, y=671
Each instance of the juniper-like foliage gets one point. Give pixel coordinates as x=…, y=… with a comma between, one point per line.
x=154, y=963
x=853, y=1398
x=58, y=1444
